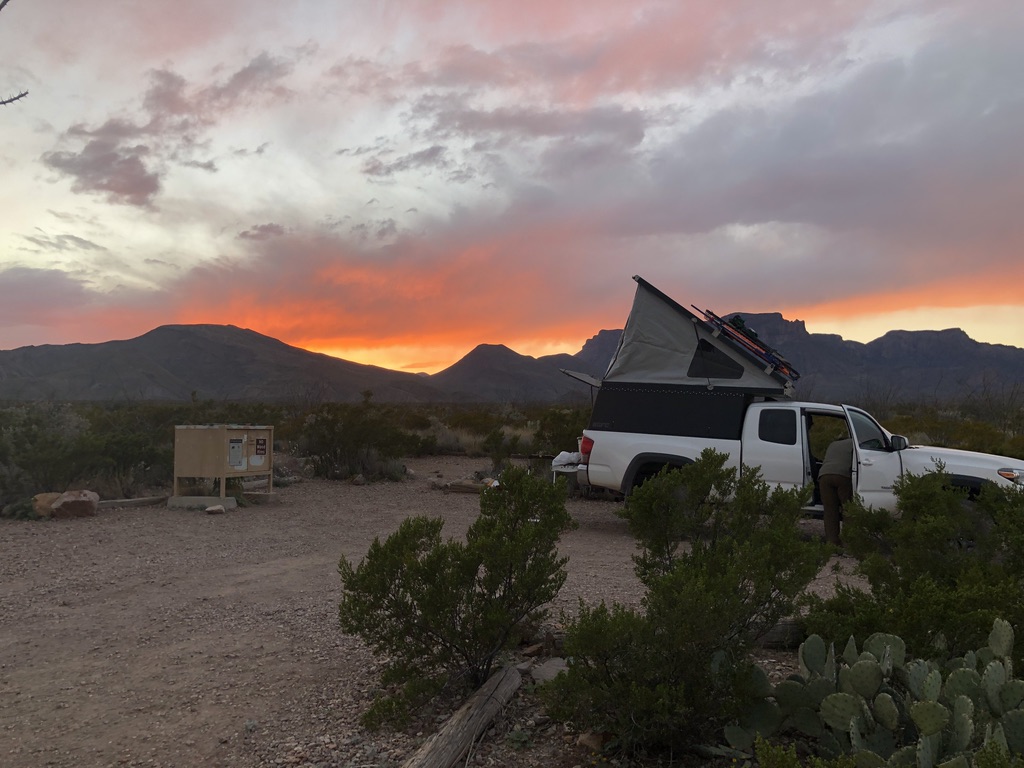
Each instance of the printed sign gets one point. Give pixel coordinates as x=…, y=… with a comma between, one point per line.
x=235, y=456
x=261, y=446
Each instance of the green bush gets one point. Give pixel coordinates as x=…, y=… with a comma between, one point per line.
x=669, y=674
x=441, y=612
x=939, y=571
x=558, y=429
x=344, y=440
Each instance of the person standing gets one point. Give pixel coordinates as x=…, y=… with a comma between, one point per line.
x=835, y=482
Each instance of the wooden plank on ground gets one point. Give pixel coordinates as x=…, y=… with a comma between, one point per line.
x=450, y=744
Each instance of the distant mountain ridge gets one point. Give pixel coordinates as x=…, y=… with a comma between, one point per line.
x=223, y=362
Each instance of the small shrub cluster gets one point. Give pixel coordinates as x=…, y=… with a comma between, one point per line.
x=669, y=675
x=442, y=611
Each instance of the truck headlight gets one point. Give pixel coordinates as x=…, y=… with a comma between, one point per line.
x=1013, y=475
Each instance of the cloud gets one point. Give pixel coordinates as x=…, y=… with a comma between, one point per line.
x=111, y=167
x=431, y=157
x=63, y=243
x=127, y=158
x=262, y=232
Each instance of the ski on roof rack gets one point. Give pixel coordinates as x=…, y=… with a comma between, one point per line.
x=736, y=330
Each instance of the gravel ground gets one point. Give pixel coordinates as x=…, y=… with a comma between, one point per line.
x=158, y=637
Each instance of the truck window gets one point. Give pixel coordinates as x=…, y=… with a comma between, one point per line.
x=777, y=425
x=869, y=434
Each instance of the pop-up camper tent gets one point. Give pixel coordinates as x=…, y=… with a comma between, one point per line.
x=665, y=343
x=677, y=372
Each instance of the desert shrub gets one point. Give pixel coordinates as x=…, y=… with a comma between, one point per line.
x=769, y=755
x=441, y=612
x=19, y=510
x=669, y=674
x=343, y=440
x=134, y=448
x=558, y=429
x=46, y=447
x=939, y=571
x=499, y=448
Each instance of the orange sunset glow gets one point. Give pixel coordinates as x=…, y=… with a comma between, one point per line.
x=462, y=173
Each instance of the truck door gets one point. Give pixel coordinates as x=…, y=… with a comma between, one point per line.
x=876, y=465
x=772, y=441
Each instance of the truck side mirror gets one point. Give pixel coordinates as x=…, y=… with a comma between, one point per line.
x=898, y=442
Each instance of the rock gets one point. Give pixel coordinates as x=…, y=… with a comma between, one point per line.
x=534, y=650
x=216, y=509
x=76, y=504
x=548, y=670
x=42, y=503
x=591, y=740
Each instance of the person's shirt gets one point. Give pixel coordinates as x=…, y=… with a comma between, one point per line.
x=838, y=459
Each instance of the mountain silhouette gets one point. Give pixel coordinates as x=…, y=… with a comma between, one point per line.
x=222, y=362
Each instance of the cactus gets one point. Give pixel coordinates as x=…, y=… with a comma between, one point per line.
x=807, y=721
x=928, y=750
x=1000, y=639
x=883, y=709
x=992, y=680
x=916, y=671
x=850, y=654
x=904, y=757
x=932, y=685
x=929, y=716
x=994, y=735
x=791, y=695
x=739, y=738
x=838, y=710
x=963, y=731
x=887, y=714
x=962, y=681
x=812, y=656
x=817, y=690
x=1013, y=730
x=881, y=742
x=866, y=678
x=877, y=643
x=1011, y=695
x=865, y=758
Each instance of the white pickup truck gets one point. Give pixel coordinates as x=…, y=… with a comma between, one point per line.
x=681, y=382
x=787, y=440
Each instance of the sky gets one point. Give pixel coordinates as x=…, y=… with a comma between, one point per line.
x=394, y=182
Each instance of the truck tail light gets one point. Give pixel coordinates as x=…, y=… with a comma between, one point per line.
x=586, y=446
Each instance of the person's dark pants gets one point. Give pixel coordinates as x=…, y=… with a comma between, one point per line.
x=836, y=490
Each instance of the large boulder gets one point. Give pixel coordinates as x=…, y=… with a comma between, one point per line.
x=42, y=503
x=76, y=504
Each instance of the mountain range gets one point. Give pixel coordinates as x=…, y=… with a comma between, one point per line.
x=222, y=362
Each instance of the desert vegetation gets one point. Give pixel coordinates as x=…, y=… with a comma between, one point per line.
x=127, y=449
x=915, y=668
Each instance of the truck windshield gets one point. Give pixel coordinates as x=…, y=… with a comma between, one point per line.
x=869, y=435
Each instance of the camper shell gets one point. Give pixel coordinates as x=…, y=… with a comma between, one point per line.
x=686, y=373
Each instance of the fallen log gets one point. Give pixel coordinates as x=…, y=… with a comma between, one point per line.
x=450, y=744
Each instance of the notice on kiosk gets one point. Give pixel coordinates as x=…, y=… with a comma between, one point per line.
x=236, y=453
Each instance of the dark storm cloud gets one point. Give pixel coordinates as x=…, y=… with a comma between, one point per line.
x=126, y=159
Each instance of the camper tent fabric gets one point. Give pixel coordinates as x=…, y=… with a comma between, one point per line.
x=665, y=343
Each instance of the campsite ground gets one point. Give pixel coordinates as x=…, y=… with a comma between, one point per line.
x=158, y=637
